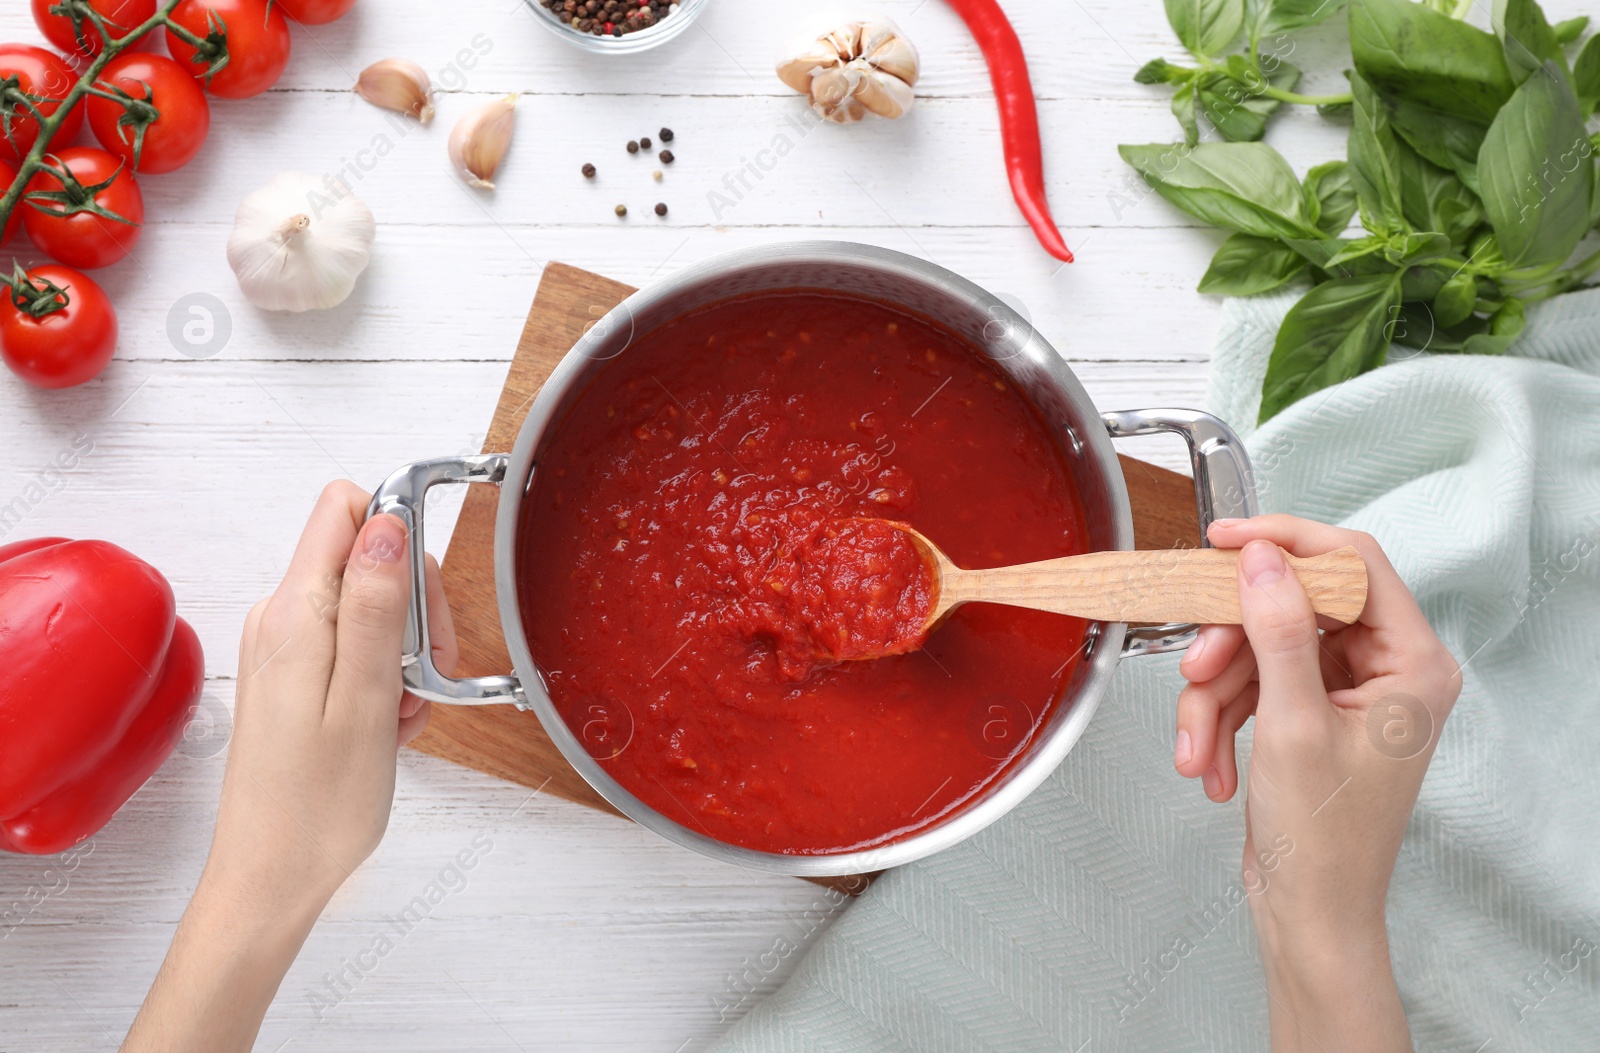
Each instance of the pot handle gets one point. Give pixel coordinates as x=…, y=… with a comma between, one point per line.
x=1224, y=488
x=404, y=494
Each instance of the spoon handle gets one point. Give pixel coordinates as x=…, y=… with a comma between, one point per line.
x=1172, y=585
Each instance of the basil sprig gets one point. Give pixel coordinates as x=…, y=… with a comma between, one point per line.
x=1470, y=169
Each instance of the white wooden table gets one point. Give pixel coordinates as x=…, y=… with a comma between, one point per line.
x=573, y=930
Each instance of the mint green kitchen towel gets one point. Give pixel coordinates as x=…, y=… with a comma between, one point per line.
x=1107, y=912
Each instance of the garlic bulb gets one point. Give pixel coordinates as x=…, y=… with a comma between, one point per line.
x=399, y=85
x=300, y=242
x=480, y=138
x=854, y=69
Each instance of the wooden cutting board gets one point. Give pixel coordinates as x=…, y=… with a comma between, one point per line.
x=510, y=744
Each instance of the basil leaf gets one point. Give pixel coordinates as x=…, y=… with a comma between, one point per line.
x=1243, y=187
x=1246, y=265
x=1454, y=301
x=1569, y=31
x=1505, y=325
x=1422, y=283
x=1338, y=330
x=1586, y=74
x=1416, y=248
x=1160, y=71
x=1374, y=159
x=1444, y=139
x=1330, y=196
x=1235, y=106
x=1411, y=52
x=1206, y=27
x=1282, y=16
x=1435, y=199
x=1355, y=255
x=1535, y=173
x=1183, y=109
x=1414, y=327
x=1525, y=37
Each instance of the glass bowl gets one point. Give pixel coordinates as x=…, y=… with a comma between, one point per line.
x=628, y=43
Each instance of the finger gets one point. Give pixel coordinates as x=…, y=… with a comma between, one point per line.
x=366, y=686
x=441, y=626
x=1390, y=604
x=1213, y=648
x=413, y=725
x=1223, y=777
x=1198, y=709
x=409, y=704
x=1281, y=627
x=329, y=535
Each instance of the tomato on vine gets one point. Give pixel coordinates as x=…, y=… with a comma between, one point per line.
x=236, y=48
x=33, y=83
x=73, y=31
x=150, y=112
x=84, y=208
x=315, y=12
x=57, y=327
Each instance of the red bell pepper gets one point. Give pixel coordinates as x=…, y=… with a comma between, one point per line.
x=98, y=677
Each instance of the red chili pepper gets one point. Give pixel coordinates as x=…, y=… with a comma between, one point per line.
x=1019, y=117
x=100, y=678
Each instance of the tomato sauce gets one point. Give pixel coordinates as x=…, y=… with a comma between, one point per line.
x=697, y=555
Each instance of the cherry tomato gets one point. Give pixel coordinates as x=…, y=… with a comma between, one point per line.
x=38, y=73
x=80, y=238
x=256, y=38
x=315, y=12
x=120, y=16
x=8, y=175
x=64, y=346
x=174, y=136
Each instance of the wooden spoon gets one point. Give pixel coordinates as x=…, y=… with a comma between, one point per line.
x=1172, y=585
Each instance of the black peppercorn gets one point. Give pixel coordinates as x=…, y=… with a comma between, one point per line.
x=644, y=143
x=633, y=146
x=588, y=171
x=621, y=210
x=666, y=135
x=666, y=157
x=661, y=208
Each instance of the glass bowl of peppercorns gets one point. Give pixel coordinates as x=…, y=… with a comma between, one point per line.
x=616, y=26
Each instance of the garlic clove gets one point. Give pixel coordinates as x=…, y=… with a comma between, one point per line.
x=884, y=95
x=833, y=88
x=884, y=47
x=853, y=69
x=300, y=242
x=480, y=139
x=797, y=70
x=399, y=85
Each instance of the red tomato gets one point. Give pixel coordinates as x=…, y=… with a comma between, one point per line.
x=8, y=175
x=42, y=75
x=77, y=237
x=120, y=16
x=61, y=347
x=315, y=12
x=256, y=39
x=174, y=136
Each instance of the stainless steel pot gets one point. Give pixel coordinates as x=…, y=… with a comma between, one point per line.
x=1223, y=488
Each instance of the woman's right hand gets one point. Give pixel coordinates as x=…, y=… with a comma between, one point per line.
x=1346, y=720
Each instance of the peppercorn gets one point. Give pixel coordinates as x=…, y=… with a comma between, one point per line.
x=656, y=175
x=666, y=157
x=588, y=171
x=633, y=146
x=661, y=208
x=644, y=143
x=621, y=210
x=666, y=135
